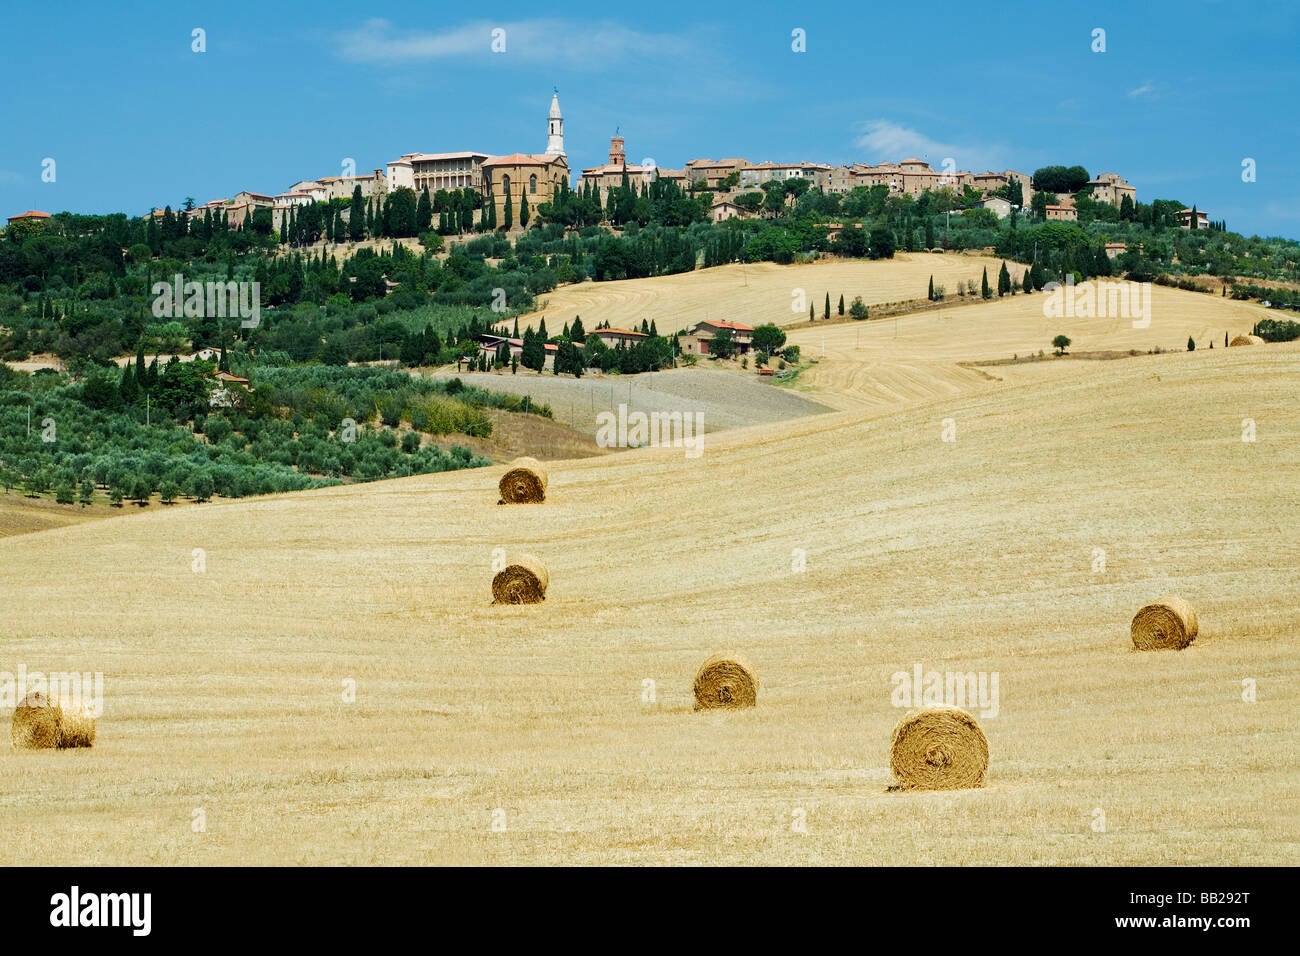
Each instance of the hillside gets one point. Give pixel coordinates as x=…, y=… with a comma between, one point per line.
x=223, y=690
x=759, y=292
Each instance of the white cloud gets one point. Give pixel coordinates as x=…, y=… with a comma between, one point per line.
x=1146, y=89
x=887, y=141
x=567, y=42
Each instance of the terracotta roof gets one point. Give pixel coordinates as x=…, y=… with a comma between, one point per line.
x=616, y=332
x=30, y=214
x=428, y=157
x=521, y=159
x=735, y=326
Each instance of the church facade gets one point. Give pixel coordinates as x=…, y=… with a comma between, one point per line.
x=531, y=177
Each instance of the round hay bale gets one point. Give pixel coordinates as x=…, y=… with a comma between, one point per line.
x=523, y=581
x=939, y=748
x=42, y=724
x=524, y=482
x=1168, y=624
x=725, y=681
x=1246, y=340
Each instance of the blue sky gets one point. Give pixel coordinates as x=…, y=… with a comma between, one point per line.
x=288, y=90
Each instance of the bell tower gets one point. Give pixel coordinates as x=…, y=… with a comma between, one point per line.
x=555, y=128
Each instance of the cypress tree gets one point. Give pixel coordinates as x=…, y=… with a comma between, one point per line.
x=509, y=212
x=423, y=212
x=826, y=314
x=841, y=303
x=128, y=387
x=930, y=294
x=985, y=291
x=523, y=210
x=356, y=224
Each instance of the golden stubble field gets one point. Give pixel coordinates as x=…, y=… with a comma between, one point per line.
x=759, y=292
x=485, y=734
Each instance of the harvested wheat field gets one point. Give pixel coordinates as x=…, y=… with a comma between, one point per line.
x=337, y=688
x=887, y=364
x=759, y=292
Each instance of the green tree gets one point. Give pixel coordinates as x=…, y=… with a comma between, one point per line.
x=881, y=244
x=768, y=338
x=1004, y=281
x=423, y=211
x=1191, y=344
x=1061, y=343
x=509, y=215
x=523, y=210
x=841, y=303
x=201, y=486
x=168, y=492
x=985, y=291
x=826, y=314
x=722, y=345
x=87, y=492
x=858, y=309
x=356, y=216
x=63, y=493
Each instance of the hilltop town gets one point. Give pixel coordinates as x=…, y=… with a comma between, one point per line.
x=522, y=180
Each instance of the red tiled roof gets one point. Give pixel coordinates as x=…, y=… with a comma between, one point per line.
x=30, y=214
x=616, y=332
x=735, y=326
x=520, y=159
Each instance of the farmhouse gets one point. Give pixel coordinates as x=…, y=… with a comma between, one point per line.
x=726, y=210
x=1185, y=219
x=1062, y=213
x=30, y=214
x=697, y=340
x=489, y=345
x=222, y=388
x=616, y=337
x=1114, y=249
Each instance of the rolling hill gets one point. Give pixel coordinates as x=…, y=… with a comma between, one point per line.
x=569, y=724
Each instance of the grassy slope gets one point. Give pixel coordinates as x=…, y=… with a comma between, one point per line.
x=223, y=689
